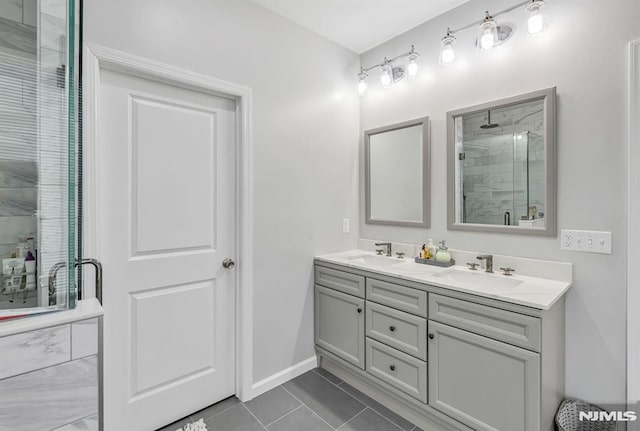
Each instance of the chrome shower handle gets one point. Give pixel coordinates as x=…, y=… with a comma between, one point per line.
x=98, y=267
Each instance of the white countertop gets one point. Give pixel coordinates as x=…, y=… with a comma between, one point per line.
x=85, y=309
x=535, y=292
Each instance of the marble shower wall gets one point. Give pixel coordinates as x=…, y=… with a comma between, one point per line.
x=33, y=128
x=18, y=122
x=53, y=157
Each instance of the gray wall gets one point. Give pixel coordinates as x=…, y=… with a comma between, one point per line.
x=589, y=68
x=305, y=130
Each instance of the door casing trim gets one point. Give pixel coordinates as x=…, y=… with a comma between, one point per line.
x=98, y=58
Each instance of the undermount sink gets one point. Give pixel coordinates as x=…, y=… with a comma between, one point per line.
x=477, y=279
x=374, y=260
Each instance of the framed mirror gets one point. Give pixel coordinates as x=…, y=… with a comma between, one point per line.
x=397, y=174
x=501, y=165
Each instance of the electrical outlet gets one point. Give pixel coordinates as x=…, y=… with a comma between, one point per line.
x=586, y=241
x=346, y=225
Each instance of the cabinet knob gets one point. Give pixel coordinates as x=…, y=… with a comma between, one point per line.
x=359, y=310
x=392, y=328
x=432, y=336
x=392, y=367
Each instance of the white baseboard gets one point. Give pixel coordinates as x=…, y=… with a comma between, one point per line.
x=283, y=376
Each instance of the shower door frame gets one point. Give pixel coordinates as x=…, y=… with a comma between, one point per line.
x=97, y=58
x=633, y=231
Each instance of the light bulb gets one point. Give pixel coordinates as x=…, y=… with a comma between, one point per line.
x=386, y=79
x=447, y=53
x=488, y=33
x=412, y=68
x=487, y=42
x=536, y=22
x=534, y=25
x=362, y=86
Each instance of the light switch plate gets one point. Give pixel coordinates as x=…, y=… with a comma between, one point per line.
x=346, y=225
x=586, y=241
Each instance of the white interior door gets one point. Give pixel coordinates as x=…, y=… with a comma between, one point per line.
x=165, y=159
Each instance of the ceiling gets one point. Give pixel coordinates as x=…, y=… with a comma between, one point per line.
x=359, y=24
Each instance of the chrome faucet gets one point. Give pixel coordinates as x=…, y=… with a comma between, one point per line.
x=488, y=261
x=385, y=244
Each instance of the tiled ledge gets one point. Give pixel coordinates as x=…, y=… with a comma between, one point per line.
x=86, y=309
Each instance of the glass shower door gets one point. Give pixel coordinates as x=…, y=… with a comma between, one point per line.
x=37, y=156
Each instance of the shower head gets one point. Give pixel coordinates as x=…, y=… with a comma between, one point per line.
x=489, y=124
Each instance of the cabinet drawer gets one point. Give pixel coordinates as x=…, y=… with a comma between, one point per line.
x=398, y=329
x=400, y=370
x=513, y=328
x=340, y=280
x=403, y=298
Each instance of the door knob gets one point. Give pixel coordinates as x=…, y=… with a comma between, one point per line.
x=228, y=263
x=431, y=336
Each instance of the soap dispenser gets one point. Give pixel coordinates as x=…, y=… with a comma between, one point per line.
x=433, y=250
x=443, y=254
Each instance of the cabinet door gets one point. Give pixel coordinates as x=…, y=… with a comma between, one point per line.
x=485, y=384
x=339, y=324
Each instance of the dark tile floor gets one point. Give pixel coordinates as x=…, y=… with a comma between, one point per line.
x=315, y=401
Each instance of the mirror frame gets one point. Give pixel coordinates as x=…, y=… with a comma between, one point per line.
x=426, y=174
x=548, y=95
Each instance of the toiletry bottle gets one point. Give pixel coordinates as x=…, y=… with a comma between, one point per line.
x=433, y=250
x=443, y=254
x=427, y=253
x=30, y=269
x=21, y=249
x=423, y=252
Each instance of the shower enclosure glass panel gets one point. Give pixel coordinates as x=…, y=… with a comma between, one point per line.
x=502, y=179
x=37, y=156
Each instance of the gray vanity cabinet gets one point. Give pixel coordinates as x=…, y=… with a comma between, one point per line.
x=485, y=384
x=443, y=359
x=339, y=324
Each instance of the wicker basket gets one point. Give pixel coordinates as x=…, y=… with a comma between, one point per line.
x=567, y=417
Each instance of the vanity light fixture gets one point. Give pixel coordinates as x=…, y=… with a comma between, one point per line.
x=387, y=74
x=391, y=73
x=490, y=34
x=447, y=53
x=487, y=33
x=412, y=67
x=537, y=21
x=362, y=82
